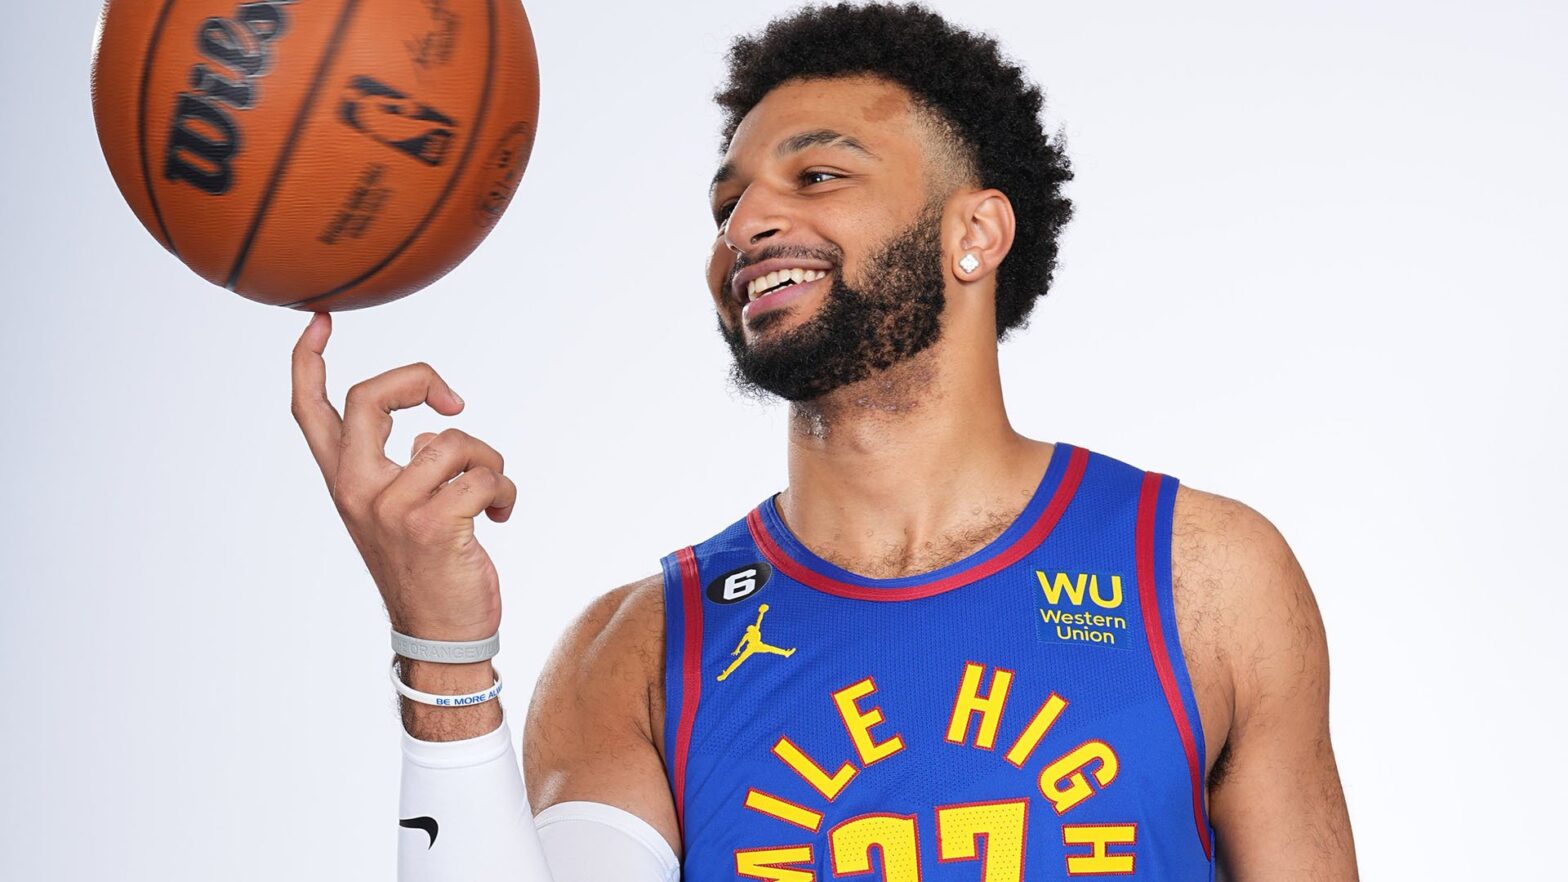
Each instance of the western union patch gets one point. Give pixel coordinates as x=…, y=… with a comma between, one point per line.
x=1082, y=609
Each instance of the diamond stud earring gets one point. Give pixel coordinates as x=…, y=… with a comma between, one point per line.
x=969, y=263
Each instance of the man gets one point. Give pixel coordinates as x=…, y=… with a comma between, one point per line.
x=962, y=653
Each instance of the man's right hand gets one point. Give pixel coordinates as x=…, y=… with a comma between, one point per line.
x=414, y=524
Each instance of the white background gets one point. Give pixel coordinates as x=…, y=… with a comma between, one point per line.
x=1318, y=266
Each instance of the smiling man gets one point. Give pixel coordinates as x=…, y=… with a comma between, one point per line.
x=945, y=651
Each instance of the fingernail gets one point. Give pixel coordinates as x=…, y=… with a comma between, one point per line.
x=458, y=398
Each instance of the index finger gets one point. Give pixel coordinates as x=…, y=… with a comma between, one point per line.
x=316, y=416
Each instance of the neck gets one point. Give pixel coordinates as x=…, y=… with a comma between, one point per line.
x=912, y=468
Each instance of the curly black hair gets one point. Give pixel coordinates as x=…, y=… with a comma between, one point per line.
x=962, y=79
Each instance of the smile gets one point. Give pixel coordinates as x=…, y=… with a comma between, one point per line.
x=762, y=286
x=765, y=297
x=767, y=276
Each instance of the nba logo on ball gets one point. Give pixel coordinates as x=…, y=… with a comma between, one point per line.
x=317, y=154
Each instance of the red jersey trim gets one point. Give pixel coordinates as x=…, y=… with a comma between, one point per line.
x=1154, y=630
x=1010, y=555
x=691, y=672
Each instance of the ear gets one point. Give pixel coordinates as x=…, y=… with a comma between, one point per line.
x=983, y=231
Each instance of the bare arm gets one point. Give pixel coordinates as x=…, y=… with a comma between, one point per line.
x=595, y=726
x=1274, y=793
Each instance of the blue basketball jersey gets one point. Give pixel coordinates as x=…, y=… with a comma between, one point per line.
x=1022, y=713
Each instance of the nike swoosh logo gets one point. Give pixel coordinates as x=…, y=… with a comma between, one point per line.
x=424, y=823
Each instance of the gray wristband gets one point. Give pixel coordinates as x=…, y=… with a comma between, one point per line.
x=448, y=652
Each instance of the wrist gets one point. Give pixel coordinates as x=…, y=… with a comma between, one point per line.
x=443, y=678
x=428, y=723
x=443, y=630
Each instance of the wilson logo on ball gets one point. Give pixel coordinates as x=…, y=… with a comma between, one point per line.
x=204, y=138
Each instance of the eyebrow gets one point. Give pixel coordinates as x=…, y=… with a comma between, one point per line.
x=796, y=143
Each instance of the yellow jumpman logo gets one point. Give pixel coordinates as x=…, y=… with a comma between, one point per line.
x=752, y=644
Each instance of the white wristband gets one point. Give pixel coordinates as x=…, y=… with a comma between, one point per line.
x=413, y=694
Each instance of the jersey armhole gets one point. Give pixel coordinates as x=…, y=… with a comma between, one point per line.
x=1156, y=508
x=682, y=667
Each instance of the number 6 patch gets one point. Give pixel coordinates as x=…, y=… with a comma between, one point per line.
x=740, y=583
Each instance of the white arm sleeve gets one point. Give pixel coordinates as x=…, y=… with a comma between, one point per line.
x=465, y=818
x=592, y=842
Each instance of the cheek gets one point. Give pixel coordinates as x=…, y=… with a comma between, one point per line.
x=858, y=223
x=720, y=260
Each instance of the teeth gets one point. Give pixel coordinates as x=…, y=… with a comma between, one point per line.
x=796, y=275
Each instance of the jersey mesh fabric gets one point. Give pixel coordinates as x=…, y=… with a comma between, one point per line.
x=1022, y=713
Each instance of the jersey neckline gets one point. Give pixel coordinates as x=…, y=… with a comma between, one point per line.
x=790, y=556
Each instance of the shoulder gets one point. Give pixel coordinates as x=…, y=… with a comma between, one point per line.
x=1229, y=552
x=600, y=698
x=1244, y=599
x=1217, y=541
x=624, y=625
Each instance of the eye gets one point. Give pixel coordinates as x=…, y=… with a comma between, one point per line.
x=815, y=176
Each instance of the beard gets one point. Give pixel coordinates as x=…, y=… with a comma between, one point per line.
x=857, y=332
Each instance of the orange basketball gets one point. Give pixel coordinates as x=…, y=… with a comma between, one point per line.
x=318, y=154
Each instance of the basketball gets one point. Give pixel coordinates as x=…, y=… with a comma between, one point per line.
x=317, y=154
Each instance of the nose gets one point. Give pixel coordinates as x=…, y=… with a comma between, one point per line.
x=757, y=217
